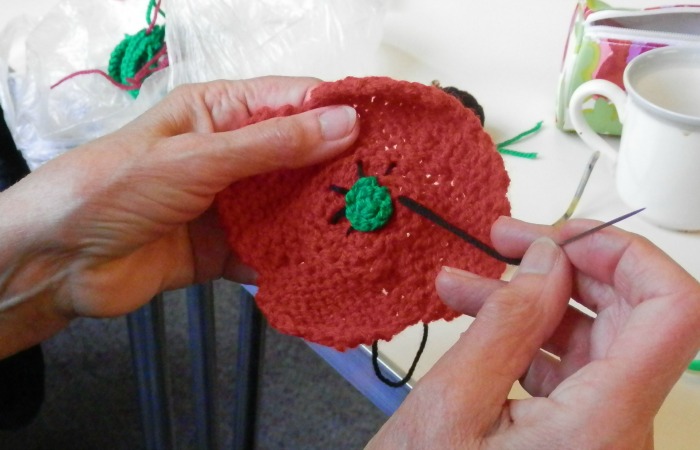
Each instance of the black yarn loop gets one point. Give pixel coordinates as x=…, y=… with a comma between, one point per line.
x=409, y=374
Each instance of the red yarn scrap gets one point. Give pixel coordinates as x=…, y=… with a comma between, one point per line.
x=320, y=283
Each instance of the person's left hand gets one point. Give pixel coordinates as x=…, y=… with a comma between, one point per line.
x=101, y=229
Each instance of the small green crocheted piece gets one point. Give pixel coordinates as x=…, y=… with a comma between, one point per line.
x=133, y=53
x=501, y=147
x=368, y=205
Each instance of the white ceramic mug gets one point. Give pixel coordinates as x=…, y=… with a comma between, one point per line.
x=658, y=162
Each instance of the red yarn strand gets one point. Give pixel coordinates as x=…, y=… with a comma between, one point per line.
x=156, y=11
x=124, y=87
x=147, y=70
x=134, y=83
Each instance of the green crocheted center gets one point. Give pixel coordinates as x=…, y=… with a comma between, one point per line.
x=368, y=205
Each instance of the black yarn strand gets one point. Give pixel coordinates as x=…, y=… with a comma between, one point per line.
x=409, y=374
x=338, y=189
x=360, y=170
x=338, y=216
x=425, y=212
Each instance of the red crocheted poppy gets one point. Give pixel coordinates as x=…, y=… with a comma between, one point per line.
x=321, y=278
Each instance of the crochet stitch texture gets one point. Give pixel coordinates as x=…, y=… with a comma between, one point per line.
x=328, y=283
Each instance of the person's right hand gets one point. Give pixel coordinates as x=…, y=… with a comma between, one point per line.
x=609, y=374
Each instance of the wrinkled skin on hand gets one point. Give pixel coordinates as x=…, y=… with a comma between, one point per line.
x=101, y=229
x=601, y=380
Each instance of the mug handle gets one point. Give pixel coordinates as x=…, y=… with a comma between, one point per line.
x=596, y=87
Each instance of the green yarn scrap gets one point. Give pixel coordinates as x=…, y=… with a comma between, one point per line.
x=133, y=52
x=368, y=205
x=501, y=147
x=519, y=154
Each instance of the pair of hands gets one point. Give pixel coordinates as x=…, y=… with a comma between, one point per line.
x=102, y=229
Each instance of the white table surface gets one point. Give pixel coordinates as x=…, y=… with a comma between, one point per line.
x=508, y=54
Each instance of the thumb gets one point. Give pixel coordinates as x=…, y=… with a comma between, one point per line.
x=278, y=143
x=507, y=333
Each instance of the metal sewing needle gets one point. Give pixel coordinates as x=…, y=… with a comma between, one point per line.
x=517, y=261
x=599, y=227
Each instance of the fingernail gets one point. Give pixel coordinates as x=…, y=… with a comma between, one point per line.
x=337, y=122
x=540, y=257
x=459, y=272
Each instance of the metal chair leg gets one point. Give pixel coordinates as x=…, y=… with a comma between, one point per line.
x=251, y=334
x=147, y=337
x=202, y=334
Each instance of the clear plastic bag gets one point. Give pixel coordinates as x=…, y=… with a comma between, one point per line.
x=75, y=35
x=235, y=39
x=206, y=40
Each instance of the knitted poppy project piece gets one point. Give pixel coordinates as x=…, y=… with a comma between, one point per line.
x=342, y=255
